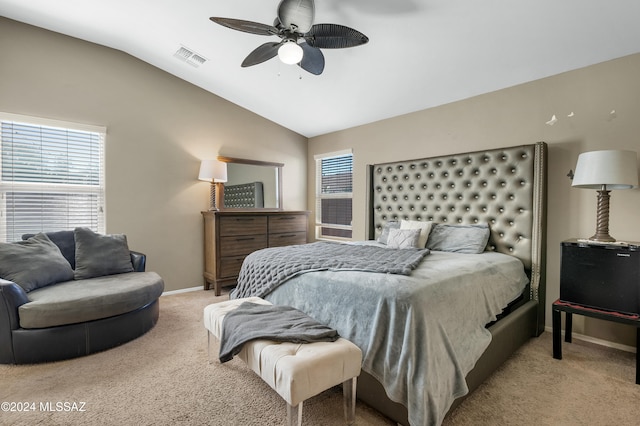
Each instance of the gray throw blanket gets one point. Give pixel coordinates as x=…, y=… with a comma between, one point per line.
x=264, y=270
x=251, y=321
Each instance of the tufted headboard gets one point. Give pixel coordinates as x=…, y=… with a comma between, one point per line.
x=244, y=196
x=505, y=188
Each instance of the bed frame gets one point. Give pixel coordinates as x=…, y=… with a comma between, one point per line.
x=506, y=188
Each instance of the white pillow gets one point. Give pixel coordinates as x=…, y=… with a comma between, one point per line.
x=403, y=238
x=425, y=229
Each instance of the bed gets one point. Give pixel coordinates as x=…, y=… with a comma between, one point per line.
x=417, y=364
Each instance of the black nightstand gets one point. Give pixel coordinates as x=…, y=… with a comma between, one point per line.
x=603, y=276
x=599, y=281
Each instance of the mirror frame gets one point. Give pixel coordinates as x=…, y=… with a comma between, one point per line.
x=278, y=167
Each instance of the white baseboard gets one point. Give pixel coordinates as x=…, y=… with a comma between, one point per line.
x=597, y=341
x=182, y=290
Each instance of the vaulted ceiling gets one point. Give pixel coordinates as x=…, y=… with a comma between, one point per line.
x=421, y=53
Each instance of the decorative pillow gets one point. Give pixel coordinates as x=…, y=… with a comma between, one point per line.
x=471, y=239
x=425, y=229
x=34, y=263
x=65, y=242
x=384, y=236
x=98, y=255
x=403, y=238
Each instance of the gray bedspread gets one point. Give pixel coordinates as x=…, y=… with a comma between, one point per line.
x=419, y=334
x=264, y=270
x=251, y=321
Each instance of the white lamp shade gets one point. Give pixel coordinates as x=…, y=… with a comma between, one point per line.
x=615, y=169
x=213, y=171
x=290, y=52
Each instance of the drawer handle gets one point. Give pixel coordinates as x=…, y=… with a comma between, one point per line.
x=245, y=219
x=287, y=236
x=245, y=239
x=286, y=217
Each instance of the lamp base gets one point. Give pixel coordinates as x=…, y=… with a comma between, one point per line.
x=216, y=194
x=602, y=238
x=602, y=226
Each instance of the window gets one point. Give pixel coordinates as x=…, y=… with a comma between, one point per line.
x=334, y=193
x=51, y=176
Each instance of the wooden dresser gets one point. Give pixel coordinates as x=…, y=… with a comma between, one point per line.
x=230, y=235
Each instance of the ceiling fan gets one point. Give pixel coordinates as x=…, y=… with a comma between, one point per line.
x=301, y=39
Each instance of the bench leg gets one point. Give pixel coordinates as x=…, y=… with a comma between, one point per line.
x=294, y=415
x=349, y=398
x=637, y=356
x=209, y=346
x=557, y=341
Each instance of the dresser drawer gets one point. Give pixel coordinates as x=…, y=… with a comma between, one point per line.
x=241, y=245
x=230, y=266
x=242, y=225
x=287, y=239
x=287, y=223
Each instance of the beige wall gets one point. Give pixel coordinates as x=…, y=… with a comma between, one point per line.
x=517, y=116
x=158, y=129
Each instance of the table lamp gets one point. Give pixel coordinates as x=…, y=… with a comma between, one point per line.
x=604, y=171
x=214, y=171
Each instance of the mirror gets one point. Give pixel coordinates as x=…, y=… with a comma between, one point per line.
x=252, y=184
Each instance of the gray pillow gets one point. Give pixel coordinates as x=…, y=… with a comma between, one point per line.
x=469, y=239
x=34, y=263
x=65, y=242
x=384, y=236
x=403, y=238
x=98, y=255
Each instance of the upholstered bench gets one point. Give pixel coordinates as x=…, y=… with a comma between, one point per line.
x=295, y=371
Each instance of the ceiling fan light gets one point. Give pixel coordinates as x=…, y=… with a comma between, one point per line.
x=290, y=52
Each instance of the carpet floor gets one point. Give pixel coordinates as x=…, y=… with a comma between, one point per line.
x=164, y=378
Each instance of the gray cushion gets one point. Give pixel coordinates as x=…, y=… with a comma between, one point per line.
x=65, y=242
x=403, y=238
x=468, y=239
x=384, y=236
x=34, y=263
x=98, y=255
x=91, y=299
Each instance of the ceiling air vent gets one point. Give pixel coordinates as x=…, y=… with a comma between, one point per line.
x=189, y=56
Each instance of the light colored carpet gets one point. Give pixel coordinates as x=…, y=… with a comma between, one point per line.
x=164, y=378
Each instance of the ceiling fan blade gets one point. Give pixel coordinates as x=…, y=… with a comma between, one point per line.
x=245, y=26
x=296, y=15
x=262, y=53
x=312, y=59
x=334, y=36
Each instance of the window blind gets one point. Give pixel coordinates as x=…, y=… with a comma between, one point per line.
x=334, y=193
x=51, y=176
